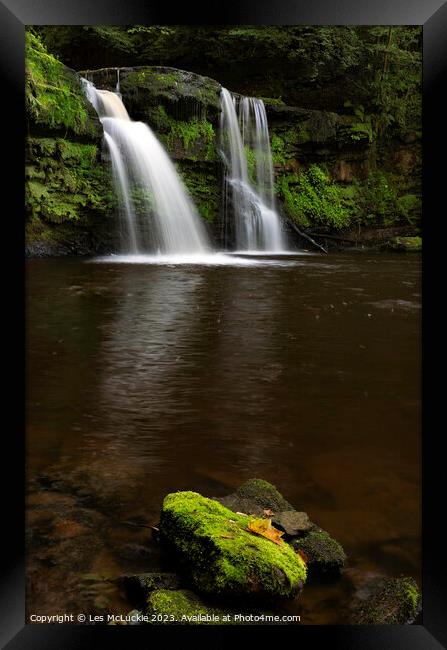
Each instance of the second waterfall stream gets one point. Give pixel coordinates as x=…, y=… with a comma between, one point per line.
x=144, y=175
x=249, y=187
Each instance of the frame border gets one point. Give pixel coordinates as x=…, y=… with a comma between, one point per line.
x=14, y=15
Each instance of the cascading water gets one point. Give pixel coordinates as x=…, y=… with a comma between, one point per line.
x=249, y=188
x=159, y=215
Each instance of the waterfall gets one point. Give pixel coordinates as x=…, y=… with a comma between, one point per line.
x=159, y=216
x=245, y=148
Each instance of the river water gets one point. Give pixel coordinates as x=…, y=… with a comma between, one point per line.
x=145, y=379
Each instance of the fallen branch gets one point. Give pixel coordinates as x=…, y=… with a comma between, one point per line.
x=308, y=237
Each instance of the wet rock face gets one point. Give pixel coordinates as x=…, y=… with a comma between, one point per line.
x=221, y=556
x=183, y=94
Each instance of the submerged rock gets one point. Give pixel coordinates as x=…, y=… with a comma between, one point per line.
x=322, y=552
x=140, y=585
x=393, y=601
x=221, y=556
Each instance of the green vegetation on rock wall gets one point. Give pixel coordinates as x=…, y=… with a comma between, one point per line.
x=52, y=91
x=68, y=194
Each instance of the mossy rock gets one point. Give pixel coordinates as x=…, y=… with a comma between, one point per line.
x=323, y=553
x=183, y=607
x=395, y=601
x=55, y=101
x=255, y=496
x=140, y=585
x=405, y=244
x=184, y=94
x=221, y=556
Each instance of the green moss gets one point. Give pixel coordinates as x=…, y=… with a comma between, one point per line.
x=172, y=86
x=221, y=555
x=396, y=601
x=405, y=244
x=203, y=184
x=196, y=136
x=251, y=163
x=264, y=494
x=273, y=101
x=311, y=198
x=324, y=553
x=65, y=180
x=184, y=607
x=54, y=97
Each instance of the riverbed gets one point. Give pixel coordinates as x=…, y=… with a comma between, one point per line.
x=146, y=378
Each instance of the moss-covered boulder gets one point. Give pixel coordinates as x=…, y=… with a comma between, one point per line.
x=393, y=601
x=404, y=244
x=322, y=552
x=183, y=607
x=221, y=556
x=254, y=496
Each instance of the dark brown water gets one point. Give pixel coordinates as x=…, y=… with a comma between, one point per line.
x=144, y=379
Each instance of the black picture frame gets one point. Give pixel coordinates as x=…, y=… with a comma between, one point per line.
x=14, y=15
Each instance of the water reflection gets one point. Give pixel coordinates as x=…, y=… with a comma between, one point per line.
x=148, y=378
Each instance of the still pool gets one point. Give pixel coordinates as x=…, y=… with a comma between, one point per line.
x=146, y=378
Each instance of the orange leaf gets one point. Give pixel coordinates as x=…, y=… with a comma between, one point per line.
x=264, y=528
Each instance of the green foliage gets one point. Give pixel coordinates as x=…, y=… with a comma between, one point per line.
x=251, y=163
x=363, y=129
x=54, y=96
x=203, y=184
x=193, y=134
x=310, y=197
x=379, y=203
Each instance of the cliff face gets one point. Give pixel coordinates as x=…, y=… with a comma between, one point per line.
x=346, y=149
x=68, y=195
